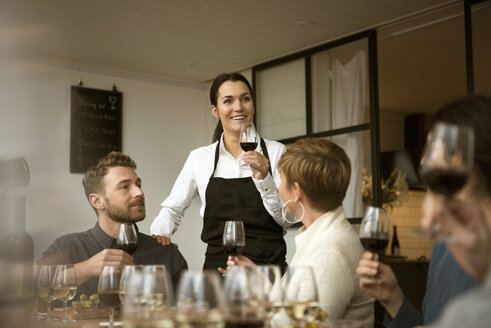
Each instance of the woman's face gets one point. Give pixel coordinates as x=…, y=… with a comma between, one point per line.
x=234, y=106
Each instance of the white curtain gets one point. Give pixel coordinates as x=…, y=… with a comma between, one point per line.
x=347, y=107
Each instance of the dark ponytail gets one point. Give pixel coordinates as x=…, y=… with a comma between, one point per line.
x=219, y=80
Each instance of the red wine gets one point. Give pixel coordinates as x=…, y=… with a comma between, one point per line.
x=375, y=245
x=245, y=323
x=110, y=298
x=444, y=181
x=234, y=249
x=128, y=248
x=248, y=146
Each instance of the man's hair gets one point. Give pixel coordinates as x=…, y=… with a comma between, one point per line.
x=93, y=179
x=321, y=168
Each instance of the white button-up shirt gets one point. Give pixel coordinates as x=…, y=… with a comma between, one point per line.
x=196, y=173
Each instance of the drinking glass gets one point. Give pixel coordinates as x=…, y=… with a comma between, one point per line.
x=34, y=291
x=108, y=289
x=148, y=298
x=233, y=237
x=248, y=138
x=300, y=295
x=446, y=165
x=199, y=300
x=45, y=286
x=65, y=286
x=127, y=238
x=244, y=297
x=271, y=286
x=126, y=274
x=375, y=229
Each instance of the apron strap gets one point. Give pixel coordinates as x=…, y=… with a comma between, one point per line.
x=217, y=153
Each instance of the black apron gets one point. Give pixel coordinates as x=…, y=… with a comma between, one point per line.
x=238, y=200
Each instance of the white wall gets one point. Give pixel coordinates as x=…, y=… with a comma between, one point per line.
x=161, y=124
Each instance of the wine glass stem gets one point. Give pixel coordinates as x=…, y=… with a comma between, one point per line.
x=64, y=311
x=111, y=318
x=48, y=311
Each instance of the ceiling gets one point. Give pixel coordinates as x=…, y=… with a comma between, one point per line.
x=183, y=41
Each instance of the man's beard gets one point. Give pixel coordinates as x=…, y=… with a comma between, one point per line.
x=125, y=214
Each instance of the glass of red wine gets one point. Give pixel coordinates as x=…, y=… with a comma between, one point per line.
x=233, y=238
x=108, y=289
x=127, y=238
x=375, y=229
x=446, y=165
x=248, y=138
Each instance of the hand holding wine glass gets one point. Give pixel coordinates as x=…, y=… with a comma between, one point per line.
x=127, y=238
x=234, y=238
x=65, y=286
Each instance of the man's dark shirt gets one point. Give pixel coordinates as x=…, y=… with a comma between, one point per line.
x=78, y=247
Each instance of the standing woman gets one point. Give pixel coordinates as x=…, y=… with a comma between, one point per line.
x=229, y=190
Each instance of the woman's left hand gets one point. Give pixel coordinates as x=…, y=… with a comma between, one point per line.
x=258, y=163
x=236, y=260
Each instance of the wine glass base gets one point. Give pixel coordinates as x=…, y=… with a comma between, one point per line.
x=107, y=324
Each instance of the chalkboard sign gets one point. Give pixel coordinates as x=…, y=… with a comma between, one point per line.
x=95, y=128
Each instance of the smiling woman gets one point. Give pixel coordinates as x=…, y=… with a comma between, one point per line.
x=227, y=189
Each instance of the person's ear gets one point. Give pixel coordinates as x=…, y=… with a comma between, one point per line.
x=298, y=191
x=214, y=111
x=97, y=201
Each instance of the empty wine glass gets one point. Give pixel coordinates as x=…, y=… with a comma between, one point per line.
x=301, y=298
x=108, y=289
x=45, y=286
x=148, y=298
x=375, y=229
x=446, y=165
x=34, y=291
x=234, y=237
x=244, y=297
x=65, y=286
x=271, y=286
x=128, y=271
x=199, y=300
x=248, y=138
x=127, y=238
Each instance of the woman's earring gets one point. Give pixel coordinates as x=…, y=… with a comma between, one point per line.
x=283, y=212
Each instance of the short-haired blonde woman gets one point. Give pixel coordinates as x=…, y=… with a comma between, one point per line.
x=315, y=175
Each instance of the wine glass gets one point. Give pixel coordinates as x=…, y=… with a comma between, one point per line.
x=45, y=287
x=35, y=297
x=148, y=298
x=248, y=138
x=375, y=229
x=108, y=289
x=233, y=237
x=65, y=286
x=199, y=300
x=446, y=165
x=271, y=286
x=126, y=275
x=244, y=297
x=300, y=295
x=127, y=238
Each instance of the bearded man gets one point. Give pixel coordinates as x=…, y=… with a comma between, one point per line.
x=114, y=190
